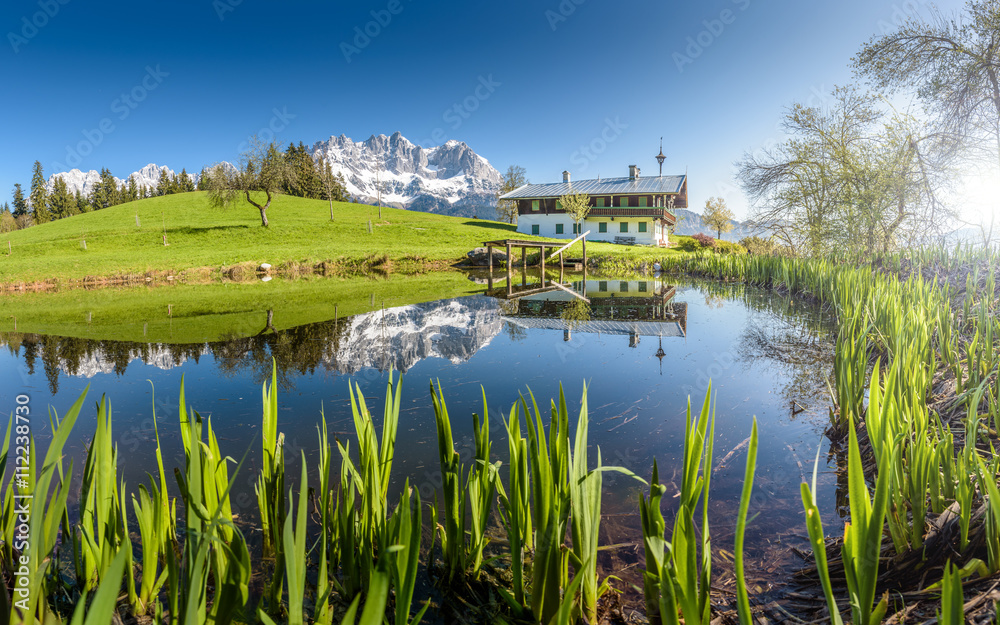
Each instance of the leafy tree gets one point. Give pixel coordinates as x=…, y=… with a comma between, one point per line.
x=39, y=205
x=263, y=172
x=20, y=204
x=7, y=221
x=717, y=216
x=850, y=176
x=61, y=202
x=576, y=205
x=515, y=178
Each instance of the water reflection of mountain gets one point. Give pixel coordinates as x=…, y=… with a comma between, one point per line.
x=453, y=329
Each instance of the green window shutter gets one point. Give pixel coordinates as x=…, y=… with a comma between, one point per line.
x=600, y=202
x=623, y=286
x=642, y=287
x=559, y=228
x=534, y=229
x=558, y=205
x=623, y=227
x=534, y=205
x=642, y=226
x=623, y=201
x=642, y=201
x=602, y=227
x=602, y=286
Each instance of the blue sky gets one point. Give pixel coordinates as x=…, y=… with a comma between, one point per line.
x=584, y=85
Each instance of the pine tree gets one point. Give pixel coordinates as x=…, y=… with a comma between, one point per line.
x=61, y=203
x=39, y=205
x=204, y=179
x=186, y=183
x=20, y=204
x=82, y=203
x=163, y=185
x=131, y=192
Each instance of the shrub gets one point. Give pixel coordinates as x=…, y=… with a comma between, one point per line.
x=704, y=240
x=728, y=247
x=764, y=247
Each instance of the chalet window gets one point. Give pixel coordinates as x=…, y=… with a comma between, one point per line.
x=642, y=287
x=600, y=202
x=559, y=228
x=623, y=286
x=602, y=285
x=534, y=229
x=602, y=226
x=534, y=207
x=642, y=202
x=577, y=228
x=623, y=227
x=623, y=201
x=642, y=226
x=559, y=205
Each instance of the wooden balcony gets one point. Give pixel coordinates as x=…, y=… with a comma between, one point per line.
x=633, y=211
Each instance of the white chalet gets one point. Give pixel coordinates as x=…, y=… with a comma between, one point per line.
x=633, y=210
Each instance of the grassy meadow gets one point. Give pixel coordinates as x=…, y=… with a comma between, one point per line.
x=128, y=239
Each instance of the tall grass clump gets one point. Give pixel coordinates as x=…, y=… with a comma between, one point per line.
x=678, y=573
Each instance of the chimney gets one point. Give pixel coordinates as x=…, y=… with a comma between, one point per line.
x=565, y=176
x=633, y=172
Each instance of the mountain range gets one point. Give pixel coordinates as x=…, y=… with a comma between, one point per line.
x=449, y=179
x=76, y=180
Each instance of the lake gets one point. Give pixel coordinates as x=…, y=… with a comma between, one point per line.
x=641, y=345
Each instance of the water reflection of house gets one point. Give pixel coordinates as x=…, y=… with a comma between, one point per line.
x=634, y=308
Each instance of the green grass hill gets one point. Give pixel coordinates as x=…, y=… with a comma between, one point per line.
x=128, y=239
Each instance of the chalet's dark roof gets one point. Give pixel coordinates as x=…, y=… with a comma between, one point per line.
x=602, y=186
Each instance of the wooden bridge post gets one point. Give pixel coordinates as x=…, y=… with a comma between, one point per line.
x=489, y=253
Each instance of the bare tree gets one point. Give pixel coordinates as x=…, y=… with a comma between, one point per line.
x=513, y=179
x=263, y=171
x=952, y=66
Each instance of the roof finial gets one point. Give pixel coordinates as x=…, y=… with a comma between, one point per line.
x=660, y=157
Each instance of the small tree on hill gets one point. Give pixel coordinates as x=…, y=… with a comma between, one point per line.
x=717, y=216
x=513, y=179
x=577, y=206
x=39, y=195
x=263, y=172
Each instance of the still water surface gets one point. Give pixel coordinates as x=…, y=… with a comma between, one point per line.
x=642, y=346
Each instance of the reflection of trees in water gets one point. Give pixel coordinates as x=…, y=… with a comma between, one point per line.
x=793, y=335
x=297, y=350
x=514, y=331
x=575, y=313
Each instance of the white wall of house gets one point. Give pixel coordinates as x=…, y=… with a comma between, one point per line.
x=548, y=225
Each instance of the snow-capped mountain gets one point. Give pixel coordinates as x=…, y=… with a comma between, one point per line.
x=450, y=179
x=149, y=176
